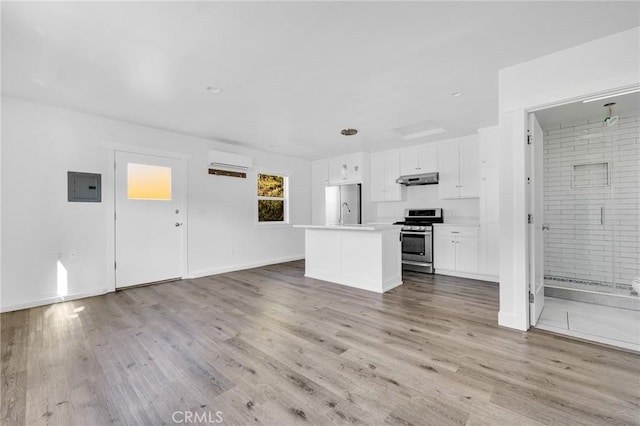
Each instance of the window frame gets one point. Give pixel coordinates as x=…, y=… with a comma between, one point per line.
x=284, y=199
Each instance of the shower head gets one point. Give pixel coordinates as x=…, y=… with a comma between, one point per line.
x=611, y=119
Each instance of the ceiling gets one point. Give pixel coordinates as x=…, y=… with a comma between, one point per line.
x=579, y=112
x=293, y=74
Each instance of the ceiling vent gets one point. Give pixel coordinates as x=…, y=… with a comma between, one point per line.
x=419, y=130
x=228, y=164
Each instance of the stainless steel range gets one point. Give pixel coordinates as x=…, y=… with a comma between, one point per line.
x=417, y=238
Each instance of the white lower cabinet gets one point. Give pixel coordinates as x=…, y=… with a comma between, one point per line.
x=455, y=249
x=444, y=252
x=467, y=253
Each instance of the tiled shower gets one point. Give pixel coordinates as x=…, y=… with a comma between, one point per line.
x=592, y=206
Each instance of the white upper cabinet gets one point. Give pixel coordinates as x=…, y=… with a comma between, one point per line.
x=320, y=172
x=419, y=160
x=384, y=170
x=448, y=165
x=346, y=169
x=458, y=167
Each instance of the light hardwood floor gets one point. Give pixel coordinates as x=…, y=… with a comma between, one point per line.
x=268, y=346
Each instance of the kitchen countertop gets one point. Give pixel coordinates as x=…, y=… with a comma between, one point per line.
x=472, y=224
x=365, y=227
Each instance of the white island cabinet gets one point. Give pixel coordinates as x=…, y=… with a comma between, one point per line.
x=367, y=257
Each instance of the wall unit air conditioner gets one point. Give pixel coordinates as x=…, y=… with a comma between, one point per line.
x=228, y=164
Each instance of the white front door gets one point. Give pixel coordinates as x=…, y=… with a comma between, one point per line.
x=148, y=218
x=536, y=207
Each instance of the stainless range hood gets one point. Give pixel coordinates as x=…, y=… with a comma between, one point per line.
x=420, y=179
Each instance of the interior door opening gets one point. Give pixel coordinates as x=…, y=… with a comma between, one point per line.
x=588, y=195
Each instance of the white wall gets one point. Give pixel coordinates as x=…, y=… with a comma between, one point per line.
x=599, y=66
x=41, y=143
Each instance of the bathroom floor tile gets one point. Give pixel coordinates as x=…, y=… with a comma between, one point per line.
x=604, y=324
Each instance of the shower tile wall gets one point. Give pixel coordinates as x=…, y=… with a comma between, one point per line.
x=581, y=251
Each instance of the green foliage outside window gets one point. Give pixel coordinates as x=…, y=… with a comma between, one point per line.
x=271, y=198
x=270, y=186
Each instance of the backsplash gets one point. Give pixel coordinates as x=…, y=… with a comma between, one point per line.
x=592, y=204
x=426, y=196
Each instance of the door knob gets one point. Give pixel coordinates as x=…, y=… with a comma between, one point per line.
x=178, y=224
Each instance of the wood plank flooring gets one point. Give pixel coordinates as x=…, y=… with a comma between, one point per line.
x=268, y=346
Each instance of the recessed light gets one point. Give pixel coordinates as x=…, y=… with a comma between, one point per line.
x=423, y=133
x=456, y=94
x=419, y=130
x=348, y=132
x=215, y=90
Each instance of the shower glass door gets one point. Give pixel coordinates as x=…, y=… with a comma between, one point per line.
x=579, y=215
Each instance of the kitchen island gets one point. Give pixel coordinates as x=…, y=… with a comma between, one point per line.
x=367, y=257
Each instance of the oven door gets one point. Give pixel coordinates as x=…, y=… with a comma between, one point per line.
x=416, y=246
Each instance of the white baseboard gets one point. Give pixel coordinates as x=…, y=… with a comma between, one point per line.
x=481, y=277
x=52, y=300
x=240, y=267
x=391, y=284
x=506, y=319
x=369, y=285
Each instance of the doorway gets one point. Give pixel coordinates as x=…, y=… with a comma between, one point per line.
x=148, y=219
x=589, y=219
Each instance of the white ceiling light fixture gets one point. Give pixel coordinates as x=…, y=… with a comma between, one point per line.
x=456, y=94
x=215, y=90
x=599, y=98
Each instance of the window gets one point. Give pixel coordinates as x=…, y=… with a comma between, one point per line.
x=272, y=198
x=146, y=182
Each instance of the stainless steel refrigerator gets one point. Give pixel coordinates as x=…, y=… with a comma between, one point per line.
x=342, y=203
